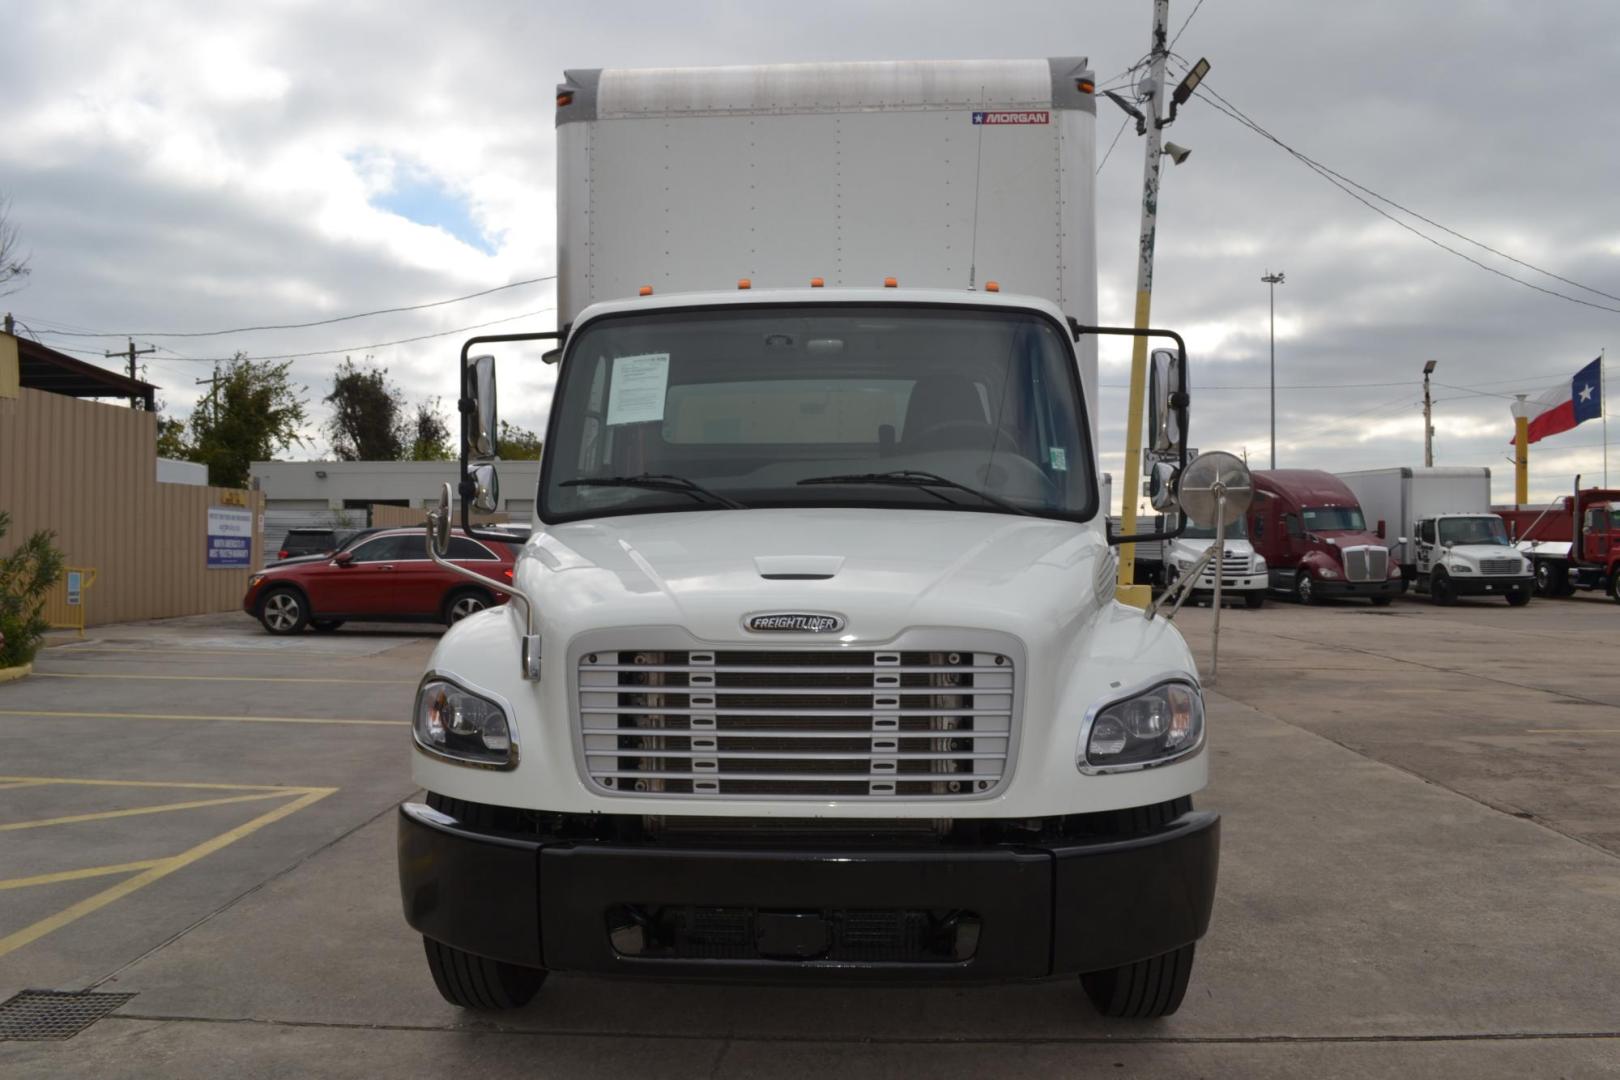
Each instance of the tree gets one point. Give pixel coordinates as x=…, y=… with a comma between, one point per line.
x=25, y=575
x=252, y=411
x=13, y=260
x=427, y=435
x=517, y=444
x=171, y=439
x=367, y=415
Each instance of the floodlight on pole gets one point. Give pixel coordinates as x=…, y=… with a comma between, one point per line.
x=1273, y=280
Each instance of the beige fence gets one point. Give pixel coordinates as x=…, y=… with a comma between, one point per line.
x=400, y=517
x=88, y=472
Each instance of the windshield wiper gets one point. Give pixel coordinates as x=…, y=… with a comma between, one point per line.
x=660, y=482
x=918, y=479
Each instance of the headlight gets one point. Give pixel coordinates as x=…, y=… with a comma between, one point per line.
x=1151, y=728
x=1259, y=565
x=254, y=580
x=1460, y=568
x=1330, y=575
x=455, y=723
x=1394, y=570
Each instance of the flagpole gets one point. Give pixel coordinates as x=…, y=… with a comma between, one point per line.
x=1603, y=409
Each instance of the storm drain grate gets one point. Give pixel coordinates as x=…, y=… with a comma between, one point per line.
x=54, y=1014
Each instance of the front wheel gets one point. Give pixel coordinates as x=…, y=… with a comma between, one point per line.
x=1614, y=586
x=1442, y=590
x=1255, y=599
x=1519, y=595
x=476, y=982
x=283, y=611
x=1145, y=990
x=1305, y=588
x=1549, y=578
x=1380, y=601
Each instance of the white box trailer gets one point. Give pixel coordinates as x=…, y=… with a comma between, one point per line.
x=813, y=659
x=1394, y=500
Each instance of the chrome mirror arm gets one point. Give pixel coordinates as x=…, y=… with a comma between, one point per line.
x=530, y=648
x=1183, y=587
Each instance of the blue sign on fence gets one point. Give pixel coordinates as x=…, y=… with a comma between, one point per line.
x=230, y=538
x=75, y=587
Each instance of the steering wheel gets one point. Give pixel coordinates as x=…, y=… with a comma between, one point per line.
x=974, y=435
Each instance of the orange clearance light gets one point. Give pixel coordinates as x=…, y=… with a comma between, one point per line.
x=1085, y=86
x=890, y=283
x=646, y=290
x=564, y=99
x=816, y=283
x=744, y=283
x=992, y=286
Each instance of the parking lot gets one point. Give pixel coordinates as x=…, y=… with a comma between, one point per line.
x=1420, y=873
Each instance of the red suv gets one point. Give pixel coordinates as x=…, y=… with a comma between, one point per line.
x=379, y=577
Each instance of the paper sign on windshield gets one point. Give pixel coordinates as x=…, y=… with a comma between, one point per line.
x=639, y=383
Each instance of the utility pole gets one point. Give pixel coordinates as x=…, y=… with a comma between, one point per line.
x=1127, y=590
x=213, y=401
x=1273, y=280
x=132, y=352
x=1521, y=449
x=1428, y=418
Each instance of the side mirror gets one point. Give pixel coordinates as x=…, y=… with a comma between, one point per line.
x=343, y=558
x=1381, y=530
x=486, y=488
x=438, y=524
x=485, y=427
x=1167, y=403
x=1162, y=486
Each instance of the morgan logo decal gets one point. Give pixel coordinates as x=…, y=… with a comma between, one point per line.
x=793, y=622
x=1025, y=116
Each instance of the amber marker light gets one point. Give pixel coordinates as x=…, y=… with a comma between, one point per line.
x=564, y=99
x=646, y=290
x=890, y=283
x=992, y=286
x=744, y=283
x=816, y=283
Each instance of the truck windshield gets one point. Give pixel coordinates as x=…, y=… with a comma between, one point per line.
x=1334, y=519
x=750, y=402
x=1238, y=530
x=1473, y=530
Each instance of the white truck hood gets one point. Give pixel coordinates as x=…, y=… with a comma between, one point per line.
x=883, y=570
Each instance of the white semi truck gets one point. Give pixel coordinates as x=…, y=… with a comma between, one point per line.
x=813, y=668
x=1442, y=532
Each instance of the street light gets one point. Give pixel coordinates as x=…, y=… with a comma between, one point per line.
x=1273, y=280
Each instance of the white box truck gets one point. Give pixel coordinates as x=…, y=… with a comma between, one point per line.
x=813, y=668
x=1442, y=533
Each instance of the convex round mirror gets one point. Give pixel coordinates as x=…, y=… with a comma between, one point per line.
x=438, y=524
x=1215, y=486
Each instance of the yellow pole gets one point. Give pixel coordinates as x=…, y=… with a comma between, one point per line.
x=1127, y=591
x=1521, y=451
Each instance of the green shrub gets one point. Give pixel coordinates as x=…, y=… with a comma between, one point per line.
x=25, y=576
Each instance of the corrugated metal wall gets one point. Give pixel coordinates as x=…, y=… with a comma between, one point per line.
x=88, y=472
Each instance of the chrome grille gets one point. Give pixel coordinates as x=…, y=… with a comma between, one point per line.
x=800, y=723
x=1500, y=566
x=1365, y=563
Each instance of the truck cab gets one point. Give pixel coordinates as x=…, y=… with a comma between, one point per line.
x=1310, y=529
x=1572, y=544
x=813, y=668
x=1243, y=571
x=1470, y=555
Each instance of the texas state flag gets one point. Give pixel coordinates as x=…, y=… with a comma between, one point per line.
x=1562, y=407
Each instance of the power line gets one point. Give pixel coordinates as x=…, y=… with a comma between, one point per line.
x=350, y=348
x=1184, y=23
x=1113, y=144
x=1339, y=386
x=303, y=325
x=1350, y=187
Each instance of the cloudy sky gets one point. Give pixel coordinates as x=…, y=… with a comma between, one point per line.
x=197, y=166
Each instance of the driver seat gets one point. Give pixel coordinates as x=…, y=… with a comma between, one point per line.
x=937, y=400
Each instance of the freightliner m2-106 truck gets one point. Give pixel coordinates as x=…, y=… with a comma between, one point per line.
x=1440, y=528
x=1572, y=544
x=1310, y=529
x=814, y=667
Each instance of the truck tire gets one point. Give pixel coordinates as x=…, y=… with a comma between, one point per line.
x=464, y=602
x=1550, y=579
x=476, y=982
x=1518, y=596
x=1381, y=601
x=1614, y=586
x=284, y=611
x=1145, y=990
x=1305, y=588
x=1255, y=599
x=1441, y=590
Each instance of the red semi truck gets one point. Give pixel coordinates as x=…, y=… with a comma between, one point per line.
x=1574, y=543
x=1311, y=532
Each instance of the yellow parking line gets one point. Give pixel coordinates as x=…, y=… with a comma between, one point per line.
x=55, y=715
x=224, y=678
x=135, y=811
x=4, y=784
x=77, y=875
x=290, y=790
x=84, y=907
x=1574, y=731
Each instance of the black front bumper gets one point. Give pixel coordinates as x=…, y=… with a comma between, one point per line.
x=597, y=907
x=1340, y=587
x=1483, y=585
